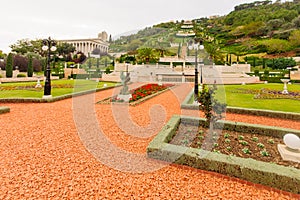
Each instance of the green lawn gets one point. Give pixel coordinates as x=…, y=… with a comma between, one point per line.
x=59, y=87
x=248, y=101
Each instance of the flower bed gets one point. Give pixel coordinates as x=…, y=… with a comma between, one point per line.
x=147, y=90
x=246, y=111
x=266, y=173
x=275, y=94
x=265, y=93
x=140, y=94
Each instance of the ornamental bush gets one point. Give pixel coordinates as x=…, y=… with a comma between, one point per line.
x=21, y=75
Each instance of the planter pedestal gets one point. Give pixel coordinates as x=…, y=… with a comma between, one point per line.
x=125, y=97
x=289, y=154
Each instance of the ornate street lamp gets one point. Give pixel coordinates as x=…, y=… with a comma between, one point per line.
x=48, y=46
x=196, y=44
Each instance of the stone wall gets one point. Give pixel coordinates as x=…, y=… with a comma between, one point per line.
x=295, y=75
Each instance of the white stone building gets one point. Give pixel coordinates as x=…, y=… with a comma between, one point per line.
x=88, y=45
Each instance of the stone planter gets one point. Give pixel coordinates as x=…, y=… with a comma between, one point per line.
x=270, y=174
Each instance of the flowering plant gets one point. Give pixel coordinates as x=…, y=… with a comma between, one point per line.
x=147, y=90
x=275, y=94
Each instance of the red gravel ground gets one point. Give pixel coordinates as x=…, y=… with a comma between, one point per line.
x=45, y=154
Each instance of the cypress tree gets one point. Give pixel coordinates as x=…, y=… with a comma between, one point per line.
x=9, y=66
x=264, y=63
x=30, y=67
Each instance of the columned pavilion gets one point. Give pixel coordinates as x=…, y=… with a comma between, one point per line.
x=88, y=45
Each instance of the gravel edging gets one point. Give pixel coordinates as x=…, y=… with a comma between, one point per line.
x=4, y=110
x=245, y=111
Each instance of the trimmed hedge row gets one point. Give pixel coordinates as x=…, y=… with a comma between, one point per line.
x=270, y=174
x=245, y=111
x=4, y=110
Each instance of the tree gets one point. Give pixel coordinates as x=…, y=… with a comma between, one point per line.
x=30, y=67
x=133, y=45
x=21, y=62
x=1, y=55
x=211, y=107
x=147, y=55
x=25, y=46
x=281, y=63
x=79, y=57
x=213, y=50
x=294, y=38
x=9, y=66
x=90, y=62
x=64, y=49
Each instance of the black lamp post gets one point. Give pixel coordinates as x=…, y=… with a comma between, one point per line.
x=196, y=44
x=48, y=45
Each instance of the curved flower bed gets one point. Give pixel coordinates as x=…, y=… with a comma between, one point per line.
x=32, y=87
x=265, y=93
x=140, y=94
x=275, y=94
x=147, y=90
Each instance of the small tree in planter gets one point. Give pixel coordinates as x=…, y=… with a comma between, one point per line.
x=213, y=110
x=211, y=107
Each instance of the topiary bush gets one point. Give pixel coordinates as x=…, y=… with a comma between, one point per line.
x=21, y=75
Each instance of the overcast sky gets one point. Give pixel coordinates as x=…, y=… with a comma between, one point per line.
x=73, y=19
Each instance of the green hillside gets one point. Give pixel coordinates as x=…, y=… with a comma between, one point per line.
x=261, y=28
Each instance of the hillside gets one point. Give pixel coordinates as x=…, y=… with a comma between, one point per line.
x=261, y=27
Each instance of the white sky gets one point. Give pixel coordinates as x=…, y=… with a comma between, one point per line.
x=71, y=19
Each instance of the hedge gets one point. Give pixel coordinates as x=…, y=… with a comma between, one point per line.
x=4, y=110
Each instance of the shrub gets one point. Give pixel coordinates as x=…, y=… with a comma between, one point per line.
x=21, y=75
x=256, y=72
x=272, y=79
x=266, y=73
x=107, y=70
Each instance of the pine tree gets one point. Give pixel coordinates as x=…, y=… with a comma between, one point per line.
x=30, y=67
x=9, y=66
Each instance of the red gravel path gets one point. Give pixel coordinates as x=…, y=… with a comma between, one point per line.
x=43, y=157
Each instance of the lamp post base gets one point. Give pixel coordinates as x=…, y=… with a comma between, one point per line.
x=47, y=97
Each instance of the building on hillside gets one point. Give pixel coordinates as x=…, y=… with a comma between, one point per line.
x=87, y=46
x=186, y=30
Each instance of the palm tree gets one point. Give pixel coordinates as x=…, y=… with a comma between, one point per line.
x=147, y=55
